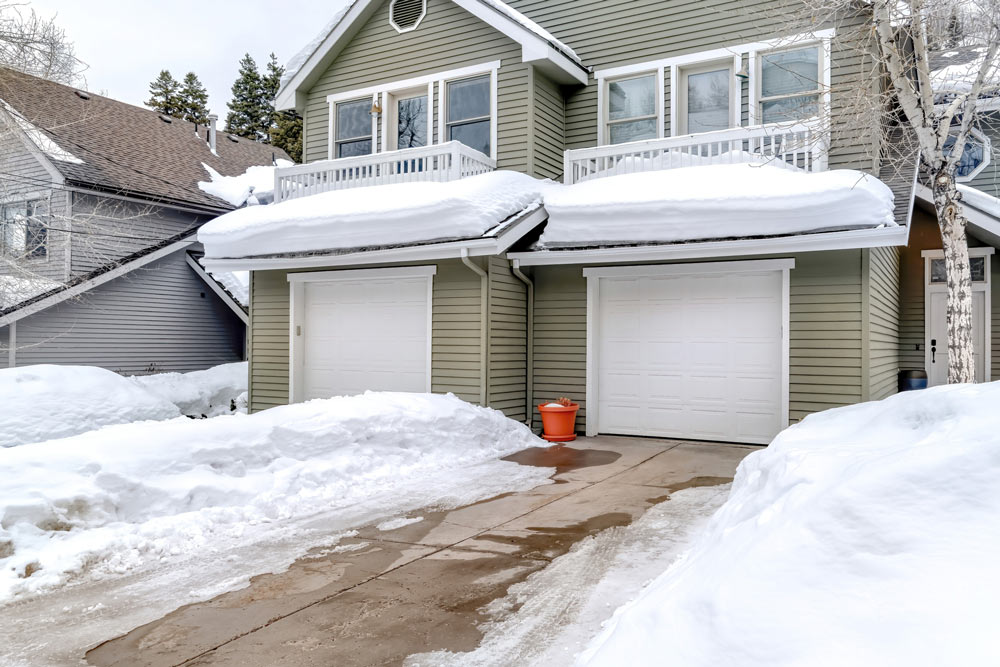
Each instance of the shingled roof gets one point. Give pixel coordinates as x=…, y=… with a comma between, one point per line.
x=107, y=145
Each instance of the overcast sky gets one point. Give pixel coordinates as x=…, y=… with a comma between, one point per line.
x=126, y=43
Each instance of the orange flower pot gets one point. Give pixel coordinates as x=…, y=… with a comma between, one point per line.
x=559, y=422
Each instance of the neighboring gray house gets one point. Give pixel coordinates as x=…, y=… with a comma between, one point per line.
x=99, y=208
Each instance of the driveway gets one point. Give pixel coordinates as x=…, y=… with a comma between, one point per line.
x=384, y=595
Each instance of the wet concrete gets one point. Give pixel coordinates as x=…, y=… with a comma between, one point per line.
x=382, y=596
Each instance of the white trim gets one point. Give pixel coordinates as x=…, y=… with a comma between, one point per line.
x=440, y=115
x=331, y=139
x=459, y=73
x=594, y=276
x=676, y=86
x=984, y=251
x=987, y=225
x=987, y=155
x=107, y=276
x=862, y=238
x=296, y=304
x=603, y=112
x=825, y=74
x=392, y=21
x=217, y=289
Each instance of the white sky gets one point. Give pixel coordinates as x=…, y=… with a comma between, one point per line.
x=127, y=42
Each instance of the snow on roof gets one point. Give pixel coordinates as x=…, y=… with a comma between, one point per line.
x=236, y=283
x=15, y=289
x=958, y=77
x=531, y=26
x=399, y=213
x=42, y=141
x=254, y=186
x=713, y=202
x=978, y=199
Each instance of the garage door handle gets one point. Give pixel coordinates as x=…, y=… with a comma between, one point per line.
x=298, y=330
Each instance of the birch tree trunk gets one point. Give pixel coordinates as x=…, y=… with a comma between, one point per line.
x=961, y=357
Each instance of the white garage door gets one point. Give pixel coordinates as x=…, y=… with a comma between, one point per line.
x=367, y=333
x=691, y=356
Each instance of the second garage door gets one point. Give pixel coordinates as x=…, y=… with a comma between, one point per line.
x=696, y=355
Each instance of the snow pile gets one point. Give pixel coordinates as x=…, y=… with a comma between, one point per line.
x=252, y=187
x=133, y=495
x=206, y=393
x=865, y=535
x=396, y=214
x=45, y=402
x=16, y=289
x=714, y=202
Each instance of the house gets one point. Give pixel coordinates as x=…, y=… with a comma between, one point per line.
x=692, y=328
x=99, y=257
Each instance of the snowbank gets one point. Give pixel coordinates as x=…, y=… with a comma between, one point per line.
x=714, y=202
x=210, y=392
x=865, y=535
x=46, y=402
x=252, y=187
x=399, y=213
x=113, y=500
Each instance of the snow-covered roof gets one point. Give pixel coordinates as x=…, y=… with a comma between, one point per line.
x=955, y=71
x=377, y=216
x=18, y=289
x=252, y=187
x=713, y=202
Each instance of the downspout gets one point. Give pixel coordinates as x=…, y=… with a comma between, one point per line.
x=483, y=322
x=530, y=364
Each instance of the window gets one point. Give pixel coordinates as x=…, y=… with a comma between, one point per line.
x=354, y=128
x=25, y=233
x=470, y=104
x=939, y=273
x=974, y=158
x=790, y=85
x=632, y=109
x=411, y=120
x=704, y=98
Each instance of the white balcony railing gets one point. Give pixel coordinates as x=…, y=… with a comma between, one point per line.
x=442, y=162
x=800, y=145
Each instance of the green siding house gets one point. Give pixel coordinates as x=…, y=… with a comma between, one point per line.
x=726, y=339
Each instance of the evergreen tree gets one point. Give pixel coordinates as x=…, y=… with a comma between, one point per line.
x=247, y=108
x=164, y=95
x=953, y=33
x=287, y=134
x=194, y=100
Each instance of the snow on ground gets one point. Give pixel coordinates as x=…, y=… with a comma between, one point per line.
x=546, y=620
x=208, y=393
x=716, y=201
x=115, y=500
x=865, y=535
x=394, y=214
x=254, y=186
x=45, y=402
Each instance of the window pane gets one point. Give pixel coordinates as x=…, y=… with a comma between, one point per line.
x=354, y=148
x=15, y=229
x=474, y=135
x=635, y=130
x=412, y=122
x=978, y=266
x=469, y=99
x=790, y=109
x=708, y=101
x=972, y=156
x=630, y=98
x=790, y=72
x=354, y=119
x=938, y=272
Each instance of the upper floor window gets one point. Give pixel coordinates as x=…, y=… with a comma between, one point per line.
x=25, y=232
x=975, y=157
x=411, y=112
x=705, y=99
x=353, y=128
x=470, y=112
x=632, y=109
x=790, y=84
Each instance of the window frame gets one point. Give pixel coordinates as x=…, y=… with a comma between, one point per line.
x=822, y=91
x=447, y=124
x=335, y=141
x=678, y=94
x=987, y=155
x=390, y=114
x=657, y=114
x=40, y=220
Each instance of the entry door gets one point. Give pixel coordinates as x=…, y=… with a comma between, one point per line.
x=937, y=338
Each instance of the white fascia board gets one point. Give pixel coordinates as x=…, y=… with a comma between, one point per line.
x=553, y=63
x=690, y=269
x=217, y=289
x=361, y=274
x=865, y=238
x=986, y=226
x=105, y=277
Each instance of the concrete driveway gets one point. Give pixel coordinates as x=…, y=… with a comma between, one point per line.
x=384, y=595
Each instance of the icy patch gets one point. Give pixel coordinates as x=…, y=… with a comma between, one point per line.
x=865, y=535
x=712, y=202
x=252, y=187
x=398, y=214
x=393, y=524
x=207, y=393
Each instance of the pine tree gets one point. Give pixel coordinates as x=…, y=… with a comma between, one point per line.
x=287, y=134
x=954, y=30
x=164, y=95
x=270, y=82
x=247, y=109
x=194, y=100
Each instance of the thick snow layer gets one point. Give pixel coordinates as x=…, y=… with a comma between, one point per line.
x=15, y=289
x=126, y=497
x=236, y=283
x=713, y=202
x=206, y=393
x=46, y=402
x=394, y=214
x=864, y=535
x=978, y=199
x=958, y=78
x=254, y=186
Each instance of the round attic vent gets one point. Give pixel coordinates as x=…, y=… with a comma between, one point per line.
x=406, y=15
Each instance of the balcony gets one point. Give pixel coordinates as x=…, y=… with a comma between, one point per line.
x=442, y=162
x=801, y=145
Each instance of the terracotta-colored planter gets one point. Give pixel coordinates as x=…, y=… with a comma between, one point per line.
x=559, y=422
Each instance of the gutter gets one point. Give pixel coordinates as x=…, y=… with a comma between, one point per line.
x=515, y=268
x=483, y=322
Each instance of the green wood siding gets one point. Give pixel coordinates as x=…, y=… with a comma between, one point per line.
x=995, y=320
x=268, y=345
x=548, y=127
x=882, y=309
x=508, y=341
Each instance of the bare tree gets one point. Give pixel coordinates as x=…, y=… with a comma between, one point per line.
x=38, y=46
